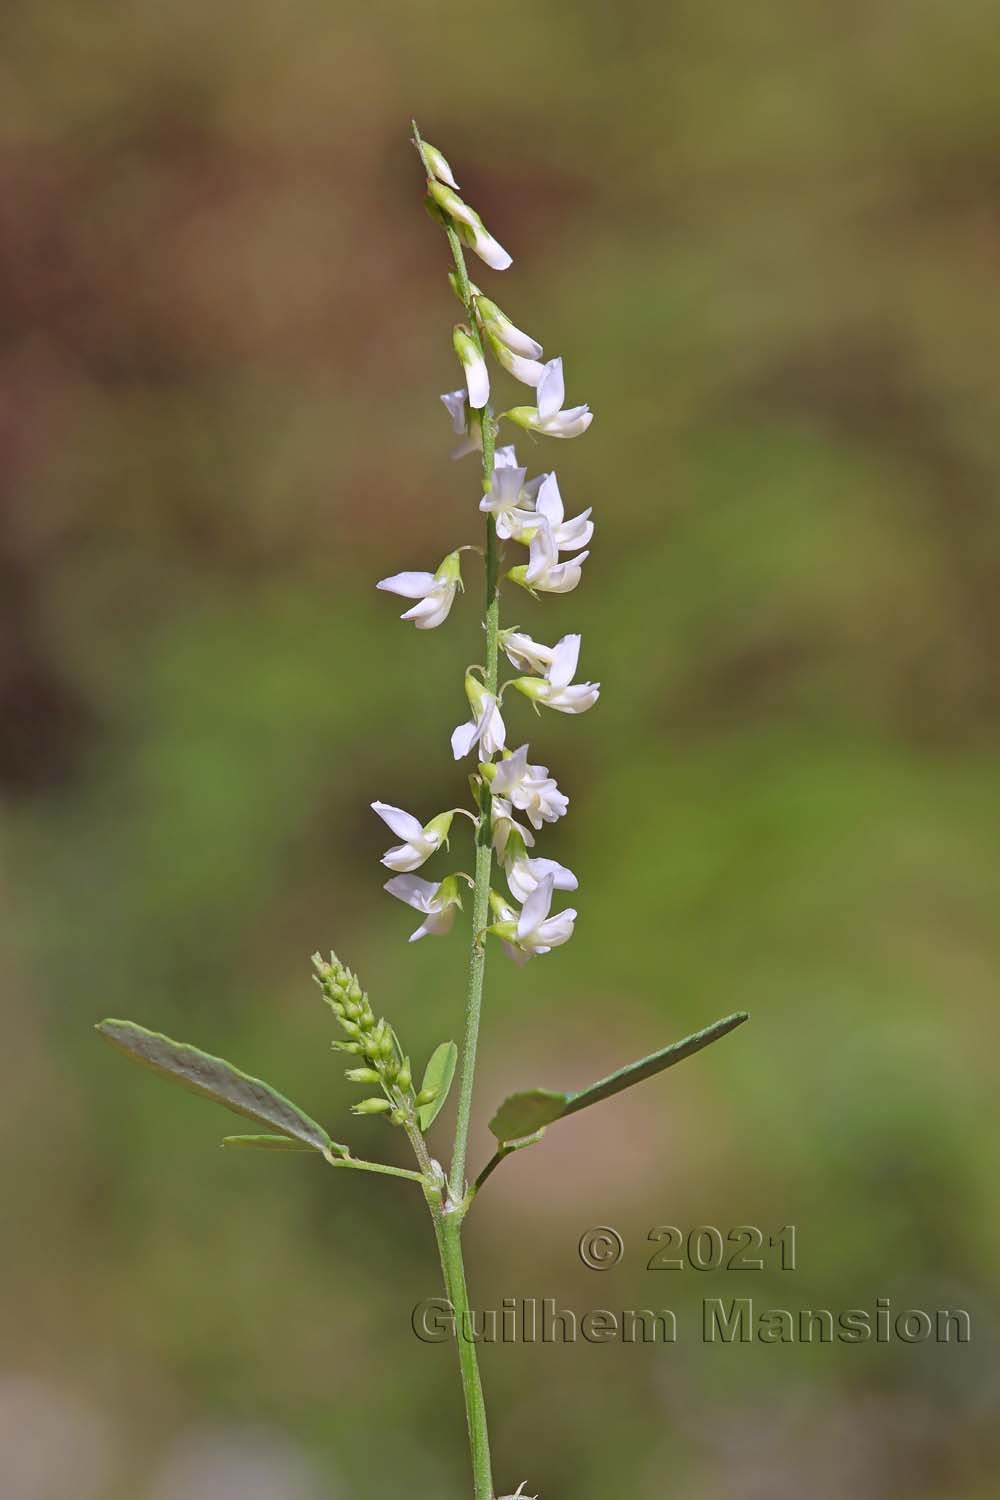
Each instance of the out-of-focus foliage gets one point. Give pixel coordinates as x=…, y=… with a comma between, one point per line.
x=765, y=238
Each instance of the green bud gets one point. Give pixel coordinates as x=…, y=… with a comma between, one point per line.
x=351, y=1047
x=523, y=416
x=450, y=568
x=397, y=1117
x=351, y=1029
x=448, y=892
x=440, y=825
x=515, y=848
x=438, y=164
x=427, y=1096
x=371, y=1107
x=363, y=1075
x=499, y=905
x=404, y=1078
x=386, y=1047
x=448, y=200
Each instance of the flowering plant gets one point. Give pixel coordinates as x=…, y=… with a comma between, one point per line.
x=512, y=801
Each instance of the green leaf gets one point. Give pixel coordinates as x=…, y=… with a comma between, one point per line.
x=437, y=1075
x=266, y=1143
x=524, y=1113
x=219, y=1080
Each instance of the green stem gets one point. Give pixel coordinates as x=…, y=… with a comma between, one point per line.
x=448, y=1229
x=353, y=1164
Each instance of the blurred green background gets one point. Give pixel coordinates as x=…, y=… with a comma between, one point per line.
x=765, y=240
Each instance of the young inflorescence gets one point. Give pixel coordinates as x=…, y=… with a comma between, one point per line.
x=513, y=798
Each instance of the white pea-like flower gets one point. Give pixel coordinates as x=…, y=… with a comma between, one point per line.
x=477, y=377
x=529, y=788
x=557, y=689
x=510, y=498
x=420, y=840
x=524, y=653
x=543, y=573
x=498, y=326
x=470, y=226
x=568, y=536
x=434, y=592
x=525, y=874
x=436, y=901
x=485, y=728
x=505, y=830
x=456, y=403
x=548, y=416
x=519, y=1493
x=517, y=351
x=532, y=931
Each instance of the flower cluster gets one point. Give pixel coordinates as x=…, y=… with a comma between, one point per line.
x=514, y=798
x=373, y=1042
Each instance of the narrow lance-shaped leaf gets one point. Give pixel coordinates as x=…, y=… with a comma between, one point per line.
x=217, y=1079
x=524, y=1113
x=438, y=1075
x=266, y=1143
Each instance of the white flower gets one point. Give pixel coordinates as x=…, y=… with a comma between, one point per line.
x=498, y=326
x=437, y=902
x=518, y=352
x=524, y=653
x=421, y=839
x=568, y=536
x=519, y=1493
x=457, y=406
x=506, y=830
x=434, y=591
x=485, y=728
x=529, y=788
x=557, y=689
x=548, y=416
x=477, y=377
x=532, y=931
x=544, y=573
x=470, y=226
x=524, y=874
x=509, y=498
x=479, y=239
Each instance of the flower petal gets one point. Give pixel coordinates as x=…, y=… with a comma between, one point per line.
x=408, y=585
x=403, y=824
x=564, y=661
x=551, y=390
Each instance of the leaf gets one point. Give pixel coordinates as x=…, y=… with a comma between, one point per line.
x=438, y=1074
x=266, y=1143
x=523, y=1113
x=219, y=1080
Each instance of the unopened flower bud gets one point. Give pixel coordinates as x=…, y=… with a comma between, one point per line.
x=477, y=378
x=438, y=165
x=371, y=1107
x=363, y=1075
x=404, y=1078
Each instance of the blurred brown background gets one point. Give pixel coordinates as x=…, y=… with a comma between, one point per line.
x=765, y=240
